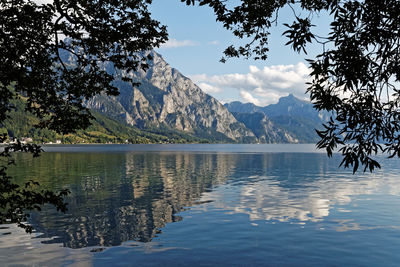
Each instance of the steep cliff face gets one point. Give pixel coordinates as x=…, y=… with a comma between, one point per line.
x=166, y=98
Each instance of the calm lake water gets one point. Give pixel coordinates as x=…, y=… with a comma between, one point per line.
x=226, y=205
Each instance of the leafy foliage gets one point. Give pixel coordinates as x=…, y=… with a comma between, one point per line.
x=36, y=42
x=17, y=201
x=355, y=77
x=52, y=56
x=357, y=80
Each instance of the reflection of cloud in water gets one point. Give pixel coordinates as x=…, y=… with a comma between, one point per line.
x=350, y=225
x=21, y=249
x=264, y=198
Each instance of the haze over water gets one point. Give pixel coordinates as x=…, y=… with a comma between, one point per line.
x=208, y=205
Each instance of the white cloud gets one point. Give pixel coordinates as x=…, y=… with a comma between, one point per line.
x=209, y=88
x=215, y=42
x=247, y=97
x=260, y=86
x=197, y=78
x=173, y=43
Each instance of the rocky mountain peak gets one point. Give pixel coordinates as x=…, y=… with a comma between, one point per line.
x=291, y=100
x=168, y=99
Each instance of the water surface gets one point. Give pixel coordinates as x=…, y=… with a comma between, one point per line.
x=207, y=205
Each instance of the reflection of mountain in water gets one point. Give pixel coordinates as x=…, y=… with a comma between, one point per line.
x=119, y=197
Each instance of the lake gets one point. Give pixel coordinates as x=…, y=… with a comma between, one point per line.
x=190, y=205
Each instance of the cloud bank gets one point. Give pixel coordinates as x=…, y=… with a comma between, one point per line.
x=259, y=86
x=173, y=43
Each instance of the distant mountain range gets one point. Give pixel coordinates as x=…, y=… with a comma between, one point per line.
x=168, y=107
x=295, y=118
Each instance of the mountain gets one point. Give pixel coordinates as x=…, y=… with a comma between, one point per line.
x=294, y=118
x=239, y=107
x=168, y=107
x=264, y=129
x=290, y=106
x=21, y=125
x=165, y=99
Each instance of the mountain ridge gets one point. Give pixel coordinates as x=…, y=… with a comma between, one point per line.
x=295, y=117
x=167, y=98
x=167, y=107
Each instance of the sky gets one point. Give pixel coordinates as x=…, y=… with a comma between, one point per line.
x=196, y=44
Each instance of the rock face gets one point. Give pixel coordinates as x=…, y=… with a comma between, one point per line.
x=167, y=99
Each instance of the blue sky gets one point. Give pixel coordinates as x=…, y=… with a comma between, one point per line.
x=196, y=45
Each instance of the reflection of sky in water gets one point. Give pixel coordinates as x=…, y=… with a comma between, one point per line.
x=209, y=207
x=309, y=197
x=20, y=249
x=265, y=199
